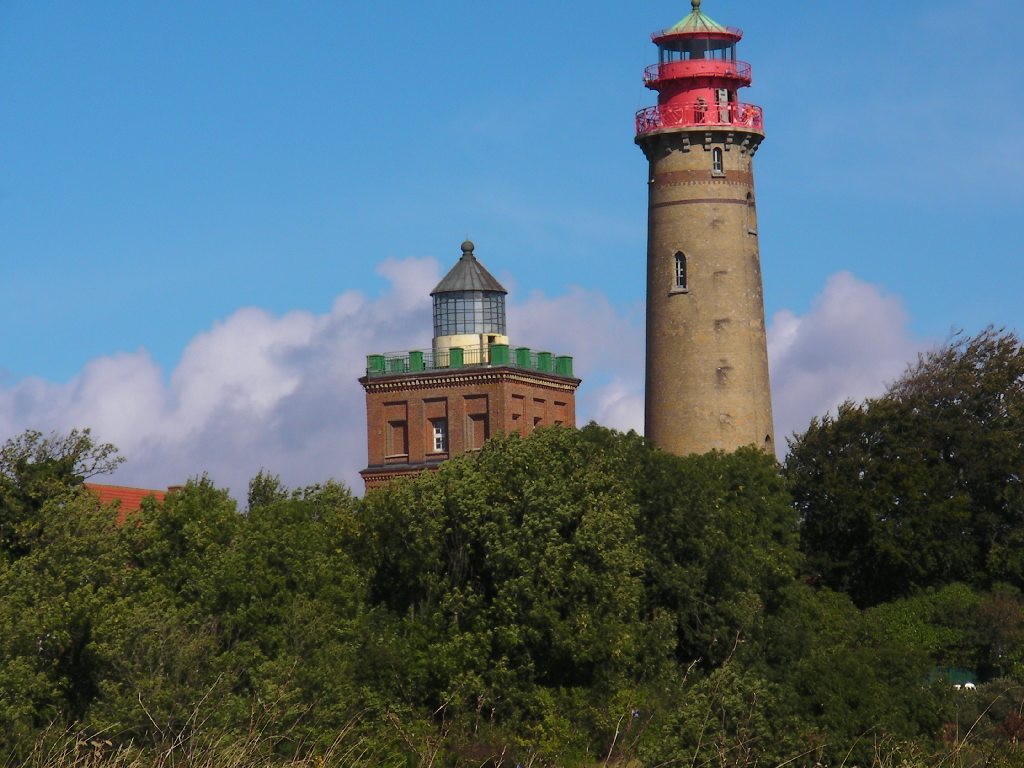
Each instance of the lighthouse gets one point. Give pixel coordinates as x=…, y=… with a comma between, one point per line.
x=707, y=359
x=425, y=406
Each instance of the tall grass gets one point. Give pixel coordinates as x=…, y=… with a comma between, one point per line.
x=70, y=750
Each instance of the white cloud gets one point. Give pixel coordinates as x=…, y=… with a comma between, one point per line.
x=259, y=390
x=619, y=404
x=280, y=392
x=256, y=390
x=607, y=345
x=852, y=343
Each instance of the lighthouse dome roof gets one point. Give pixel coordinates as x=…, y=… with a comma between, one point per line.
x=468, y=274
x=697, y=23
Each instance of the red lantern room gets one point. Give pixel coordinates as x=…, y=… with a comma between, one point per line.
x=697, y=78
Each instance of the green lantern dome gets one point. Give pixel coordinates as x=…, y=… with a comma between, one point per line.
x=696, y=24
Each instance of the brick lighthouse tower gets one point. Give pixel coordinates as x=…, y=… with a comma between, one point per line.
x=707, y=359
x=424, y=407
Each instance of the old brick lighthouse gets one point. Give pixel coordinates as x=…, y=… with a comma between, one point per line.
x=707, y=360
x=426, y=406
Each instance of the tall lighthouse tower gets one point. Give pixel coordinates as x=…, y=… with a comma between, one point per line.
x=707, y=359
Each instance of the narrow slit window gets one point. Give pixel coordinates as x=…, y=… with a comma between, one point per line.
x=680, y=271
x=717, y=164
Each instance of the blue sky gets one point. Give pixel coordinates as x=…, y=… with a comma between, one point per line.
x=168, y=165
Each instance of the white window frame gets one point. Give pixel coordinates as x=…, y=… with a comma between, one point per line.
x=717, y=162
x=681, y=281
x=439, y=436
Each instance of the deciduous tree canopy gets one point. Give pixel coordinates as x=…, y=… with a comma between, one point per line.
x=923, y=486
x=34, y=469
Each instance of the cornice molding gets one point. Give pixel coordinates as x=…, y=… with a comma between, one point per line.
x=662, y=142
x=466, y=378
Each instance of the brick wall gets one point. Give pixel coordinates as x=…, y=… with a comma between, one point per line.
x=402, y=412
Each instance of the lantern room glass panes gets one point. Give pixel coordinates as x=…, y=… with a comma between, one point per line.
x=699, y=48
x=469, y=312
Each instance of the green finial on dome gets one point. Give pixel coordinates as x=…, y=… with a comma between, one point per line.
x=696, y=5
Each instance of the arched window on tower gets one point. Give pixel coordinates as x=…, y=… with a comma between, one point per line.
x=717, y=162
x=680, y=284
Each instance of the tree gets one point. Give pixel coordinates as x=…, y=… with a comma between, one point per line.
x=720, y=535
x=556, y=583
x=228, y=623
x=34, y=469
x=518, y=567
x=922, y=486
x=288, y=598
x=51, y=601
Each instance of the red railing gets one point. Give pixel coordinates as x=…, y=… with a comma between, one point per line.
x=670, y=70
x=699, y=114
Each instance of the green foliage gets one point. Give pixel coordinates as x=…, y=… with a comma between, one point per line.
x=517, y=568
x=851, y=679
x=287, y=602
x=573, y=566
x=939, y=623
x=960, y=627
x=244, y=618
x=574, y=598
x=52, y=597
x=179, y=546
x=34, y=470
x=921, y=487
x=988, y=725
x=866, y=685
x=721, y=538
x=730, y=718
x=264, y=489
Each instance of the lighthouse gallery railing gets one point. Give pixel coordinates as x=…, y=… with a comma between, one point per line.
x=698, y=114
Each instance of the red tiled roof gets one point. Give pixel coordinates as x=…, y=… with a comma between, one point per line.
x=130, y=498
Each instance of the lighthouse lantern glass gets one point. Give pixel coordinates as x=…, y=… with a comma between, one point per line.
x=469, y=312
x=697, y=48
